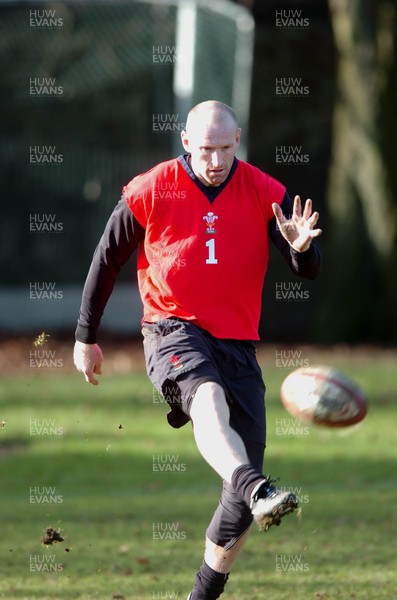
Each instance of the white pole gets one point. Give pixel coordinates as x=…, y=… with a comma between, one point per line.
x=184, y=69
x=243, y=60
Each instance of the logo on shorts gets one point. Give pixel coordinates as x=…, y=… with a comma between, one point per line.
x=210, y=219
x=175, y=361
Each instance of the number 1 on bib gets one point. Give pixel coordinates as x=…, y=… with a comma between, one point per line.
x=211, y=260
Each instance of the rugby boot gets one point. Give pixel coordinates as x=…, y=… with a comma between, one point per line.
x=270, y=504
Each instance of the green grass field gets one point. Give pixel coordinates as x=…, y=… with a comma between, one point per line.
x=133, y=502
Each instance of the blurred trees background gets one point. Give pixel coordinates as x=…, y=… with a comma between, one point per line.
x=345, y=53
x=361, y=194
x=348, y=126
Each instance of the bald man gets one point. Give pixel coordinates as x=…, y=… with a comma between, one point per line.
x=201, y=225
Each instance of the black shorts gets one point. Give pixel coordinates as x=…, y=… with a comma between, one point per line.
x=180, y=356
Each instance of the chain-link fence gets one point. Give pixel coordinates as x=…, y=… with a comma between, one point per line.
x=93, y=94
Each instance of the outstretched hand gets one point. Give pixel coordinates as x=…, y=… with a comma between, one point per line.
x=299, y=230
x=88, y=359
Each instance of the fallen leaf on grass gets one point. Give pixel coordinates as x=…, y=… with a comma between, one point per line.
x=141, y=560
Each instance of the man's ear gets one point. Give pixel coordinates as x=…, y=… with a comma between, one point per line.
x=238, y=136
x=185, y=139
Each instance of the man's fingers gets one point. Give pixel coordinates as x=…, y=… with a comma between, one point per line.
x=313, y=219
x=315, y=232
x=307, y=211
x=278, y=213
x=297, y=209
x=90, y=378
x=88, y=373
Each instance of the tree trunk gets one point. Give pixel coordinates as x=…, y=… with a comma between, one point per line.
x=364, y=42
x=361, y=239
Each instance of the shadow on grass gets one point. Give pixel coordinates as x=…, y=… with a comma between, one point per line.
x=13, y=446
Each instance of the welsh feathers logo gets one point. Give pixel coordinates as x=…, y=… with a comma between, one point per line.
x=175, y=360
x=210, y=219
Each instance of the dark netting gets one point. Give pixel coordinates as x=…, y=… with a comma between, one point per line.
x=88, y=101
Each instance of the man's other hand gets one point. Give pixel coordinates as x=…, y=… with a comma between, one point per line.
x=88, y=359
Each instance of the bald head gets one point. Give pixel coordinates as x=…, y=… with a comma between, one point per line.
x=211, y=114
x=211, y=138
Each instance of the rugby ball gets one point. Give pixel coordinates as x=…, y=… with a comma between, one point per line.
x=324, y=396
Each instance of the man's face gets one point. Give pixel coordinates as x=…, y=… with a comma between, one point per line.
x=212, y=148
